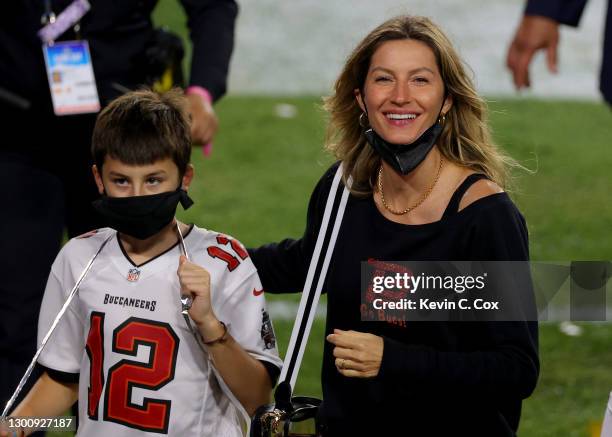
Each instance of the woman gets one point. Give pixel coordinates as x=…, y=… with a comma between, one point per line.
x=427, y=185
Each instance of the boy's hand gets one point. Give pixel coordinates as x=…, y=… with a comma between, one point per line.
x=195, y=282
x=5, y=431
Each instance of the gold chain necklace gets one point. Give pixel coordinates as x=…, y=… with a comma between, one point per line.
x=421, y=200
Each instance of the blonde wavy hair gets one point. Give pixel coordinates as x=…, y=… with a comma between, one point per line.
x=466, y=138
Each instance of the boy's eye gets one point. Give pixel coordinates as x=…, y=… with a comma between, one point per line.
x=120, y=181
x=153, y=181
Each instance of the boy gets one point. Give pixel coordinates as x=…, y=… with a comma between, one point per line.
x=123, y=348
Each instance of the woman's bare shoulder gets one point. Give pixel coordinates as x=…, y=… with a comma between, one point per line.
x=478, y=190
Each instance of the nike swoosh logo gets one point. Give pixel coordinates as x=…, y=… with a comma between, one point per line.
x=257, y=292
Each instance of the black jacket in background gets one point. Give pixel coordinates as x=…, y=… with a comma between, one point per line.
x=569, y=12
x=117, y=32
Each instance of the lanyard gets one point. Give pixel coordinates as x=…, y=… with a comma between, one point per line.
x=48, y=16
x=186, y=302
x=54, y=26
x=56, y=321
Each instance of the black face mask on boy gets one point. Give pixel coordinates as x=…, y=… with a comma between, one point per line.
x=141, y=216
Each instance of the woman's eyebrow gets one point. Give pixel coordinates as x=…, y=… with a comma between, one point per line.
x=413, y=71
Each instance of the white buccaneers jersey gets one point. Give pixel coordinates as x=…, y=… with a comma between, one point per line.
x=141, y=371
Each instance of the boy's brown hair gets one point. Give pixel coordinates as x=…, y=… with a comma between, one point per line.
x=142, y=127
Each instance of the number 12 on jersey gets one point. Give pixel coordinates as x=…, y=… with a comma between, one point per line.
x=154, y=414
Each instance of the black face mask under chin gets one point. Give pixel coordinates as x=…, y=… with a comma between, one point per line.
x=141, y=216
x=404, y=157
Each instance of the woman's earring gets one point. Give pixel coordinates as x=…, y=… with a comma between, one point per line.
x=442, y=119
x=363, y=120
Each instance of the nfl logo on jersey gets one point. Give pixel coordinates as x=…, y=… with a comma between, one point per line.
x=133, y=275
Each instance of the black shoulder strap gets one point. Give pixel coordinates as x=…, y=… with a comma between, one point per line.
x=453, y=204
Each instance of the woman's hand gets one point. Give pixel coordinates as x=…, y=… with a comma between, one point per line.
x=358, y=354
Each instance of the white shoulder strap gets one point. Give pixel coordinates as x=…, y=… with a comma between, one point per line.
x=316, y=275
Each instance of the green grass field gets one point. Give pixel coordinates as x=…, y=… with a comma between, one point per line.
x=257, y=183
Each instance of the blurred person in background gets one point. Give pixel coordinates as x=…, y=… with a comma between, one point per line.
x=539, y=30
x=409, y=128
x=45, y=159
